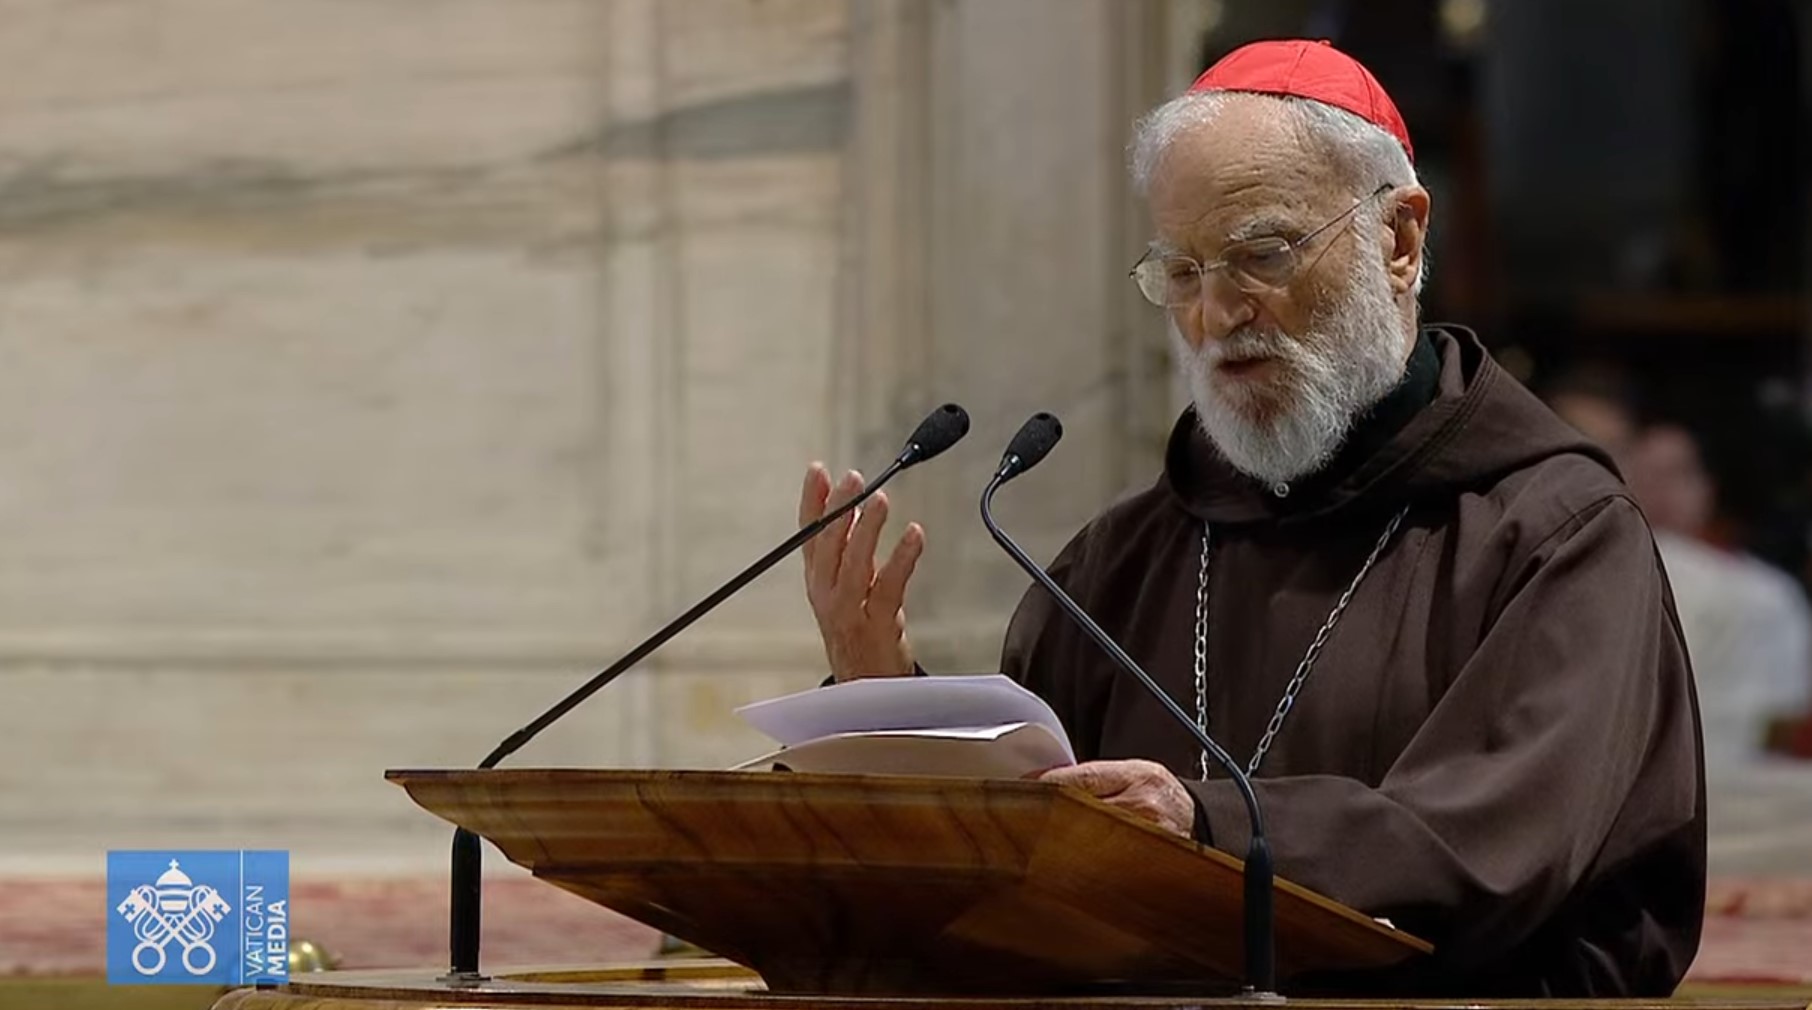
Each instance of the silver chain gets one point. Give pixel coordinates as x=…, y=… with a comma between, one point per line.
x=1201, y=647
x=1302, y=669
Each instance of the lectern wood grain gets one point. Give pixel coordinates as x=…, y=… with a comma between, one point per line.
x=882, y=885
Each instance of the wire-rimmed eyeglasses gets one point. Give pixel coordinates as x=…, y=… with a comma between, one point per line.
x=1255, y=266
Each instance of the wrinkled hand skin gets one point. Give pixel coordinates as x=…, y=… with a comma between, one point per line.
x=1143, y=788
x=860, y=608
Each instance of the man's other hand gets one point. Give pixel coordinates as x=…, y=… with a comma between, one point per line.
x=1144, y=788
x=860, y=608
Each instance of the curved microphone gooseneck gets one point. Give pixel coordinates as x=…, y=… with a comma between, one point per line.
x=940, y=430
x=1035, y=439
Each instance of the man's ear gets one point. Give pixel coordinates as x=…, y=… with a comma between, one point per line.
x=1408, y=232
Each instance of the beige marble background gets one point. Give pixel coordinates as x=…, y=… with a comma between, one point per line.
x=371, y=371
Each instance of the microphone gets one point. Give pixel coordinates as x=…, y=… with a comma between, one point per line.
x=1035, y=439
x=940, y=430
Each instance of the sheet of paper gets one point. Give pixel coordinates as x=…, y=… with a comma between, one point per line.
x=902, y=703
x=1008, y=752
x=959, y=732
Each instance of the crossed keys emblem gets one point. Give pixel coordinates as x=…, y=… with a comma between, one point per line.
x=176, y=909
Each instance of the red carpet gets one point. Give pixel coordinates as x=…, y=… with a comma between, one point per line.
x=59, y=927
x=1760, y=930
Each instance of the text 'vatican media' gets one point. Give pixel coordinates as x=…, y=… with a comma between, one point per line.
x=217, y=917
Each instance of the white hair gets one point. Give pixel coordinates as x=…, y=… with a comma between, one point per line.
x=1362, y=154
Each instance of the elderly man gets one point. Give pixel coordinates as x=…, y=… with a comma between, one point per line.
x=1423, y=611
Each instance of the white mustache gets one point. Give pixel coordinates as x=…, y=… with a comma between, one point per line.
x=1247, y=345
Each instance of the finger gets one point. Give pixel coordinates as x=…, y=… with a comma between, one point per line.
x=888, y=594
x=1081, y=776
x=828, y=556
x=1101, y=779
x=1164, y=803
x=858, y=571
x=1140, y=800
x=1148, y=809
x=811, y=502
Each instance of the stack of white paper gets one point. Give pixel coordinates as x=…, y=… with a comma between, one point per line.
x=972, y=727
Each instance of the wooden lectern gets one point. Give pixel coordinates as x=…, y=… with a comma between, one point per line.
x=879, y=893
x=890, y=886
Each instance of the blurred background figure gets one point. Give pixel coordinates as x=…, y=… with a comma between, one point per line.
x=1595, y=398
x=1747, y=624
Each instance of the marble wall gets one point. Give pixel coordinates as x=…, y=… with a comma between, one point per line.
x=371, y=370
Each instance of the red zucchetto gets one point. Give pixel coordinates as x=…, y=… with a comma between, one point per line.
x=1313, y=70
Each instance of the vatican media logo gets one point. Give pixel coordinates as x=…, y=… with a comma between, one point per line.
x=197, y=918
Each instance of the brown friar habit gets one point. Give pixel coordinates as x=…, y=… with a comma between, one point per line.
x=1499, y=747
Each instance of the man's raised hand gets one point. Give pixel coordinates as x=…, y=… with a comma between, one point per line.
x=860, y=608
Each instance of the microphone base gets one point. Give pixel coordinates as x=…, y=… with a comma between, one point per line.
x=1268, y=997
x=462, y=979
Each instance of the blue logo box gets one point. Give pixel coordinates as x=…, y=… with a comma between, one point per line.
x=197, y=917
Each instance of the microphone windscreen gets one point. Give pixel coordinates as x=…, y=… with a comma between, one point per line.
x=941, y=429
x=1037, y=437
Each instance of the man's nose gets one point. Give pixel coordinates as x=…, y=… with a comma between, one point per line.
x=1219, y=310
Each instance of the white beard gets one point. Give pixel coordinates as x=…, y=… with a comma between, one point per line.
x=1293, y=424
